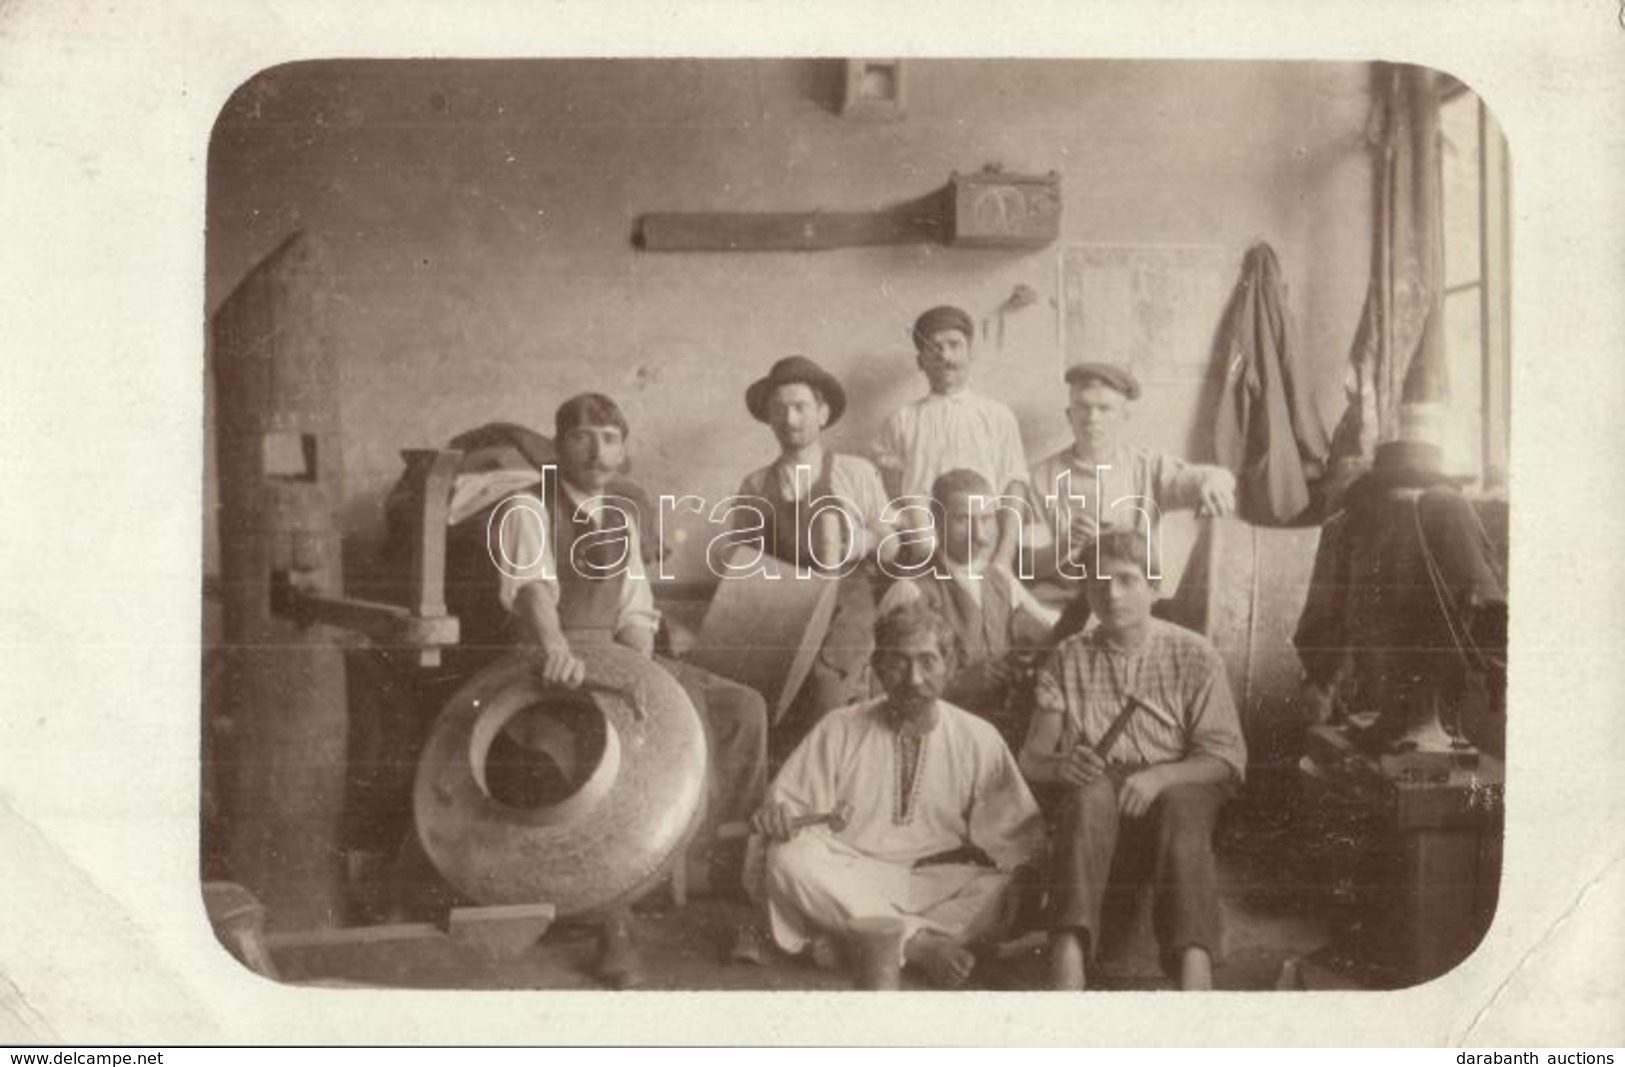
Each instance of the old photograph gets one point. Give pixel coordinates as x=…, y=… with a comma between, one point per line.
x=829, y=524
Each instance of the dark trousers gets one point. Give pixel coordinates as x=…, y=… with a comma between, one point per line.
x=1100, y=853
x=735, y=720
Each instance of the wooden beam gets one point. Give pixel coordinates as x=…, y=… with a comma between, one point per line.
x=798, y=232
x=388, y=624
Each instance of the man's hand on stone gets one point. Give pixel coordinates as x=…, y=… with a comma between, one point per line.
x=561, y=666
x=1082, y=766
x=1139, y=791
x=772, y=821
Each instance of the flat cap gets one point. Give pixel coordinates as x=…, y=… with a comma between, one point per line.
x=945, y=317
x=1107, y=374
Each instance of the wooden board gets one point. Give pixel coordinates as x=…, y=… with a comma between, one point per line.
x=765, y=633
x=1244, y=588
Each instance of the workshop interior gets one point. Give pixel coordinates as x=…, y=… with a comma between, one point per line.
x=1302, y=266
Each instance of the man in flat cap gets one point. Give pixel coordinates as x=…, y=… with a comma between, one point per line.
x=1080, y=491
x=953, y=427
x=799, y=400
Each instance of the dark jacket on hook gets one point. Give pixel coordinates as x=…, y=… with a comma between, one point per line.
x=1266, y=428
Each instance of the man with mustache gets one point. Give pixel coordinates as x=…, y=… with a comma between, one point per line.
x=952, y=426
x=584, y=580
x=799, y=400
x=940, y=819
x=1142, y=811
x=998, y=626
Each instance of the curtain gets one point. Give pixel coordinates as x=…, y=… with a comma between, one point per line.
x=1398, y=353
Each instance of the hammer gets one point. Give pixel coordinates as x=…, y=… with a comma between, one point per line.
x=835, y=819
x=1131, y=704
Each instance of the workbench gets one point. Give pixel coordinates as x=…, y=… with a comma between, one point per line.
x=1426, y=872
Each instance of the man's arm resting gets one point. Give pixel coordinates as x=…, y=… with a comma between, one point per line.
x=538, y=618
x=1141, y=789
x=1202, y=487
x=639, y=638
x=1038, y=758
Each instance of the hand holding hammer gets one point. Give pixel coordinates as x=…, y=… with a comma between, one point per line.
x=775, y=822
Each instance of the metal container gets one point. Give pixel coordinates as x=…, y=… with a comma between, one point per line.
x=579, y=798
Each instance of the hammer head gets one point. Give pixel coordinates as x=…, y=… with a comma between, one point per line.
x=839, y=816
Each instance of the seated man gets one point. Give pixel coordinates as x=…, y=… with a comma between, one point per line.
x=1103, y=481
x=998, y=626
x=583, y=579
x=1145, y=795
x=939, y=817
x=799, y=400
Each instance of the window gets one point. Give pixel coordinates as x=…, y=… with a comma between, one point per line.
x=1473, y=165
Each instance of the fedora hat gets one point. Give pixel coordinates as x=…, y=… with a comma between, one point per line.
x=796, y=370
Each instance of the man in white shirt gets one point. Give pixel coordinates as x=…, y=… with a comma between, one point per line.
x=938, y=823
x=952, y=426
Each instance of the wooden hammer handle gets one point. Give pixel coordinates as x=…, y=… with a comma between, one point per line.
x=731, y=831
x=1131, y=704
x=1115, y=730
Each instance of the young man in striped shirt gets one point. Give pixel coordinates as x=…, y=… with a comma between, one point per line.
x=1151, y=789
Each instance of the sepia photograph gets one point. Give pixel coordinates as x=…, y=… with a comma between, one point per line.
x=702, y=524
x=825, y=524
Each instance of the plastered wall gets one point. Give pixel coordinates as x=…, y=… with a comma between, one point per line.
x=479, y=219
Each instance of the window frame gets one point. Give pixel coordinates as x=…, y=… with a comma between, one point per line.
x=1494, y=285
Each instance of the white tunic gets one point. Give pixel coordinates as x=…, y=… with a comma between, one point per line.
x=966, y=790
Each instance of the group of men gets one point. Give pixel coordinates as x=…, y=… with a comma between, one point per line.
x=945, y=693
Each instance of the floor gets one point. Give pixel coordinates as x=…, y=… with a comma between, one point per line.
x=1270, y=918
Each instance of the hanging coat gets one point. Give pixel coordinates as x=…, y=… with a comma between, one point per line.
x=1266, y=428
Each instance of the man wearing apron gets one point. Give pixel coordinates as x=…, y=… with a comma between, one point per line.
x=798, y=400
x=585, y=582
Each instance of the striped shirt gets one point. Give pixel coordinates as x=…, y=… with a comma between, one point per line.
x=1084, y=685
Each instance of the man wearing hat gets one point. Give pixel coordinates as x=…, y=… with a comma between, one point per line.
x=952, y=427
x=798, y=400
x=1076, y=492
